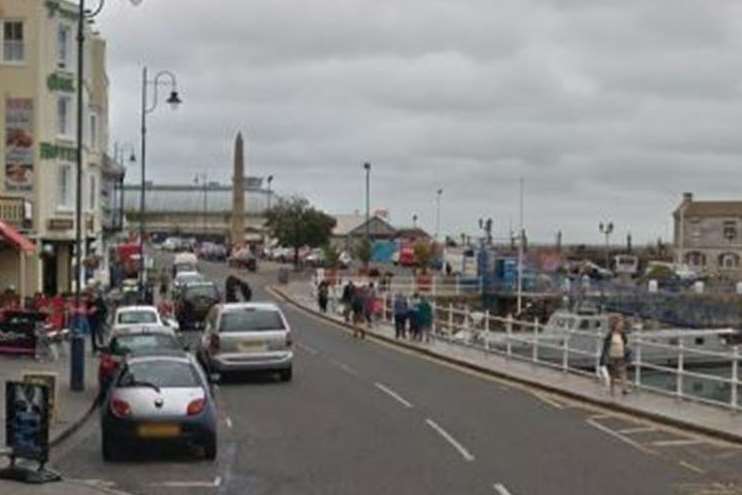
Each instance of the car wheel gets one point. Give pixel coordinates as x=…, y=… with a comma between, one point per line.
x=286, y=375
x=107, y=449
x=210, y=448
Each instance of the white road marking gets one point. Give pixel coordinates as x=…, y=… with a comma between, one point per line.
x=394, y=395
x=309, y=349
x=638, y=429
x=501, y=489
x=217, y=481
x=677, y=443
x=229, y=422
x=190, y=484
x=628, y=441
x=454, y=443
x=344, y=367
x=547, y=399
x=691, y=467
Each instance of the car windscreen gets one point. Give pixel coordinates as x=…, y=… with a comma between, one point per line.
x=201, y=291
x=137, y=317
x=125, y=344
x=189, y=279
x=165, y=373
x=251, y=320
x=185, y=267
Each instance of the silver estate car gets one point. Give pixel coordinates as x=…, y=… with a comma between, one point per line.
x=247, y=337
x=159, y=397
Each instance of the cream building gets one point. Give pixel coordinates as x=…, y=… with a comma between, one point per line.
x=38, y=111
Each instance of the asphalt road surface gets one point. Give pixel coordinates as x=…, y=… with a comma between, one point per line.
x=361, y=417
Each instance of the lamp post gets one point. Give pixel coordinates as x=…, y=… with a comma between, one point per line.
x=414, y=220
x=438, y=194
x=118, y=157
x=204, y=179
x=270, y=192
x=606, y=229
x=367, y=168
x=173, y=100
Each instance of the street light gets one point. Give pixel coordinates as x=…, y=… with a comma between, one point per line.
x=438, y=194
x=77, y=343
x=367, y=167
x=173, y=100
x=270, y=181
x=414, y=220
x=607, y=230
x=204, y=178
x=118, y=157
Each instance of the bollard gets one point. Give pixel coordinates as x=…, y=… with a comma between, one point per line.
x=535, y=340
x=77, y=362
x=680, y=369
x=735, y=377
x=508, y=334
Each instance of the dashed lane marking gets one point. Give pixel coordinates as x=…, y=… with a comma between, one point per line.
x=228, y=421
x=394, y=395
x=215, y=483
x=468, y=456
x=308, y=349
x=501, y=489
x=678, y=443
x=344, y=367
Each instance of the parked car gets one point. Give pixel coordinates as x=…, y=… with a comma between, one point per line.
x=139, y=316
x=163, y=397
x=184, y=278
x=243, y=258
x=315, y=258
x=247, y=337
x=193, y=303
x=171, y=244
x=132, y=340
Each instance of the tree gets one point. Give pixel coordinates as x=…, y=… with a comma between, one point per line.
x=332, y=256
x=423, y=254
x=296, y=223
x=363, y=251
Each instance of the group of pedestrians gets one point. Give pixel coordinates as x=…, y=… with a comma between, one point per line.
x=417, y=312
x=359, y=306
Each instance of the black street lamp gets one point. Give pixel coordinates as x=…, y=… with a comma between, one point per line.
x=119, y=151
x=607, y=229
x=173, y=100
x=270, y=192
x=414, y=220
x=438, y=194
x=367, y=167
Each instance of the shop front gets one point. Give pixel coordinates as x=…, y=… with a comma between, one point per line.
x=15, y=250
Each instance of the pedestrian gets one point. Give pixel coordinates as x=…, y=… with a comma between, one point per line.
x=322, y=296
x=369, y=304
x=245, y=291
x=616, y=353
x=230, y=289
x=347, y=300
x=100, y=312
x=412, y=317
x=401, y=310
x=424, y=319
x=358, y=307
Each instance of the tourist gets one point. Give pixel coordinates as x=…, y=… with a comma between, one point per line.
x=616, y=353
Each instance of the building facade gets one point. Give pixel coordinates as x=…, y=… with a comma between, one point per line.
x=203, y=211
x=708, y=235
x=38, y=111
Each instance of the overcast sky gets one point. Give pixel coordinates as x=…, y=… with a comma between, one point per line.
x=609, y=110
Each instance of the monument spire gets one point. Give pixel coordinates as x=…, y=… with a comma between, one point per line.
x=237, y=236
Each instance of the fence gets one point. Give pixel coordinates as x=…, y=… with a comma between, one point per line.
x=434, y=286
x=657, y=365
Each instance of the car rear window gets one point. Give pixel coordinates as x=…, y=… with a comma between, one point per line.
x=135, y=317
x=251, y=320
x=163, y=373
x=125, y=344
x=201, y=291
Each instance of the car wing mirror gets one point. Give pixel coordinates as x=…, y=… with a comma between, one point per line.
x=214, y=377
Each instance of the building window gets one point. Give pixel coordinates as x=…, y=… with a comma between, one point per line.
x=93, y=131
x=63, y=46
x=64, y=186
x=13, y=48
x=92, y=200
x=64, y=116
x=730, y=230
x=695, y=259
x=728, y=261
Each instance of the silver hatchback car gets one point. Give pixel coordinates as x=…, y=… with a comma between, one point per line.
x=247, y=337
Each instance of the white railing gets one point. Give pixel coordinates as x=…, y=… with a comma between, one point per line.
x=434, y=286
x=526, y=341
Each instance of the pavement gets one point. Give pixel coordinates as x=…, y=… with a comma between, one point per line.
x=369, y=417
x=691, y=416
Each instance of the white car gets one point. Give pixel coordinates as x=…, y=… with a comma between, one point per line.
x=140, y=316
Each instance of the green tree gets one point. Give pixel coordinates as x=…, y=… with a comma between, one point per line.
x=332, y=256
x=296, y=223
x=423, y=254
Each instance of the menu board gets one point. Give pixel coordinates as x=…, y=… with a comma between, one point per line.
x=19, y=144
x=27, y=420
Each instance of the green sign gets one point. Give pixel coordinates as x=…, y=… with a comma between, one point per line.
x=54, y=6
x=61, y=82
x=51, y=151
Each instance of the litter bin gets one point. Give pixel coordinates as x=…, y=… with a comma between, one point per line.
x=283, y=276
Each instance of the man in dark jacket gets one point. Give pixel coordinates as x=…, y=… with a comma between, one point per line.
x=245, y=291
x=230, y=289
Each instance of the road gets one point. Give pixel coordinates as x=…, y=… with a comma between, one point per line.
x=361, y=417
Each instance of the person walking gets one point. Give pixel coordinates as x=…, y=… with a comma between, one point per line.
x=424, y=319
x=347, y=300
x=358, y=306
x=616, y=353
x=322, y=296
x=412, y=317
x=401, y=309
x=230, y=289
x=98, y=322
x=369, y=304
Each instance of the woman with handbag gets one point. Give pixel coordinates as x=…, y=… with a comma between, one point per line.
x=616, y=353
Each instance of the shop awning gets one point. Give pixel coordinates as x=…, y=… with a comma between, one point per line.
x=15, y=238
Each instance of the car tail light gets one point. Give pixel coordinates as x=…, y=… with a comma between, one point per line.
x=214, y=342
x=120, y=408
x=196, y=406
x=289, y=340
x=108, y=363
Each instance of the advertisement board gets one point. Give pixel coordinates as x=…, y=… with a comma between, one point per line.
x=19, y=142
x=27, y=420
x=18, y=331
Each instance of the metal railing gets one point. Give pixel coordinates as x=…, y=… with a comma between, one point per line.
x=433, y=286
x=579, y=352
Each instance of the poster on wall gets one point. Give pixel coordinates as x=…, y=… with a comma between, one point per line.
x=27, y=420
x=19, y=144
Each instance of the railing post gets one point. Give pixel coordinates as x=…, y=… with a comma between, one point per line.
x=450, y=319
x=638, y=363
x=487, y=329
x=434, y=323
x=680, y=369
x=508, y=334
x=535, y=340
x=735, y=377
x=384, y=314
x=565, y=352
x=598, y=351
x=434, y=289
x=467, y=326
x=458, y=285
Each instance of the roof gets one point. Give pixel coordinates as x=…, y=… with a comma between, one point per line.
x=711, y=209
x=346, y=224
x=15, y=238
x=411, y=232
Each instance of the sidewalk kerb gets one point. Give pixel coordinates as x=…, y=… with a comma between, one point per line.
x=605, y=404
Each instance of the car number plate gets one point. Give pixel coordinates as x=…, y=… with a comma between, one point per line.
x=252, y=346
x=158, y=430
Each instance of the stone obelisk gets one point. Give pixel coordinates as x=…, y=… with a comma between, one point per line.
x=238, y=194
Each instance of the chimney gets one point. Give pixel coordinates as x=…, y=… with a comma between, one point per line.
x=238, y=194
